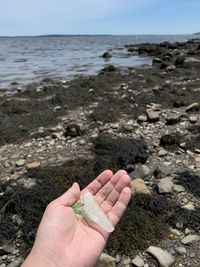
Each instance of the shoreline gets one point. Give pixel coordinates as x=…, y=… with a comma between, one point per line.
x=146, y=121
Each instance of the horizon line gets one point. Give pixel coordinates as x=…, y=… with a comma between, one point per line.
x=62, y=35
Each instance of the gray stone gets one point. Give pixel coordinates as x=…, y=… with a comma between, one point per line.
x=178, y=188
x=162, y=171
x=3, y=265
x=33, y=165
x=165, y=185
x=181, y=250
x=189, y=239
x=15, y=263
x=57, y=135
x=138, y=261
x=163, y=257
x=193, y=119
x=153, y=116
x=142, y=118
x=106, y=260
x=126, y=261
x=162, y=152
x=7, y=248
x=141, y=171
x=114, y=125
x=20, y=163
x=176, y=232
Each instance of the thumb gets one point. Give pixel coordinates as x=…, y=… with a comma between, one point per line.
x=71, y=196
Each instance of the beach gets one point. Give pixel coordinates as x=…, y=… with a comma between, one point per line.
x=143, y=119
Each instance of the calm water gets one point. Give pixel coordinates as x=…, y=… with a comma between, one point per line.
x=26, y=59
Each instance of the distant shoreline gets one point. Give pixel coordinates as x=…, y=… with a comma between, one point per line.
x=90, y=35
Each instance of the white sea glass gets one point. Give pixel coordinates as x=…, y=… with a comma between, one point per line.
x=95, y=213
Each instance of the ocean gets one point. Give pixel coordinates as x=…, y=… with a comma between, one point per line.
x=27, y=59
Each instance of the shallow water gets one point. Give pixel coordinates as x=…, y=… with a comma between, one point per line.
x=27, y=59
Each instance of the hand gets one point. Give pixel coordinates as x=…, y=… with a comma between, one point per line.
x=65, y=239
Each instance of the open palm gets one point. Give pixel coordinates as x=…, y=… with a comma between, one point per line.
x=65, y=239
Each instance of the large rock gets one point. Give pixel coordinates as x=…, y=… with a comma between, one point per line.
x=106, y=260
x=165, y=185
x=138, y=186
x=106, y=55
x=153, y=116
x=163, y=257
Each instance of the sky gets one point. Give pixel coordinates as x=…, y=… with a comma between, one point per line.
x=120, y=17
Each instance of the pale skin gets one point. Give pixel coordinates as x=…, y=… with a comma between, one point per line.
x=65, y=239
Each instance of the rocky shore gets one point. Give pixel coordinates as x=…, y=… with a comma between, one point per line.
x=144, y=120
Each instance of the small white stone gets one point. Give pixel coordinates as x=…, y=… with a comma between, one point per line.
x=106, y=260
x=138, y=261
x=164, y=258
x=20, y=163
x=189, y=239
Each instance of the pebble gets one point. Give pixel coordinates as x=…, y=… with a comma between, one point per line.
x=189, y=206
x=138, y=261
x=193, y=119
x=33, y=165
x=20, y=163
x=181, y=250
x=8, y=248
x=126, y=261
x=162, y=153
x=189, y=239
x=178, y=188
x=15, y=263
x=164, y=258
x=176, y=232
x=165, y=185
x=106, y=260
x=142, y=118
x=3, y=265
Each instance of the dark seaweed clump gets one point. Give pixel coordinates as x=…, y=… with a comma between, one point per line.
x=186, y=218
x=191, y=182
x=144, y=222
x=118, y=153
x=170, y=141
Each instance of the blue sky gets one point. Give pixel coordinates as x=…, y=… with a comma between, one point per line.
x=35, y=17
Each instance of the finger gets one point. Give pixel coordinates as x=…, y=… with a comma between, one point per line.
x=112, y=198
x=117, y=211
x=108, y=200
x=98, y=183
x=71, y=196
x=105, y=191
